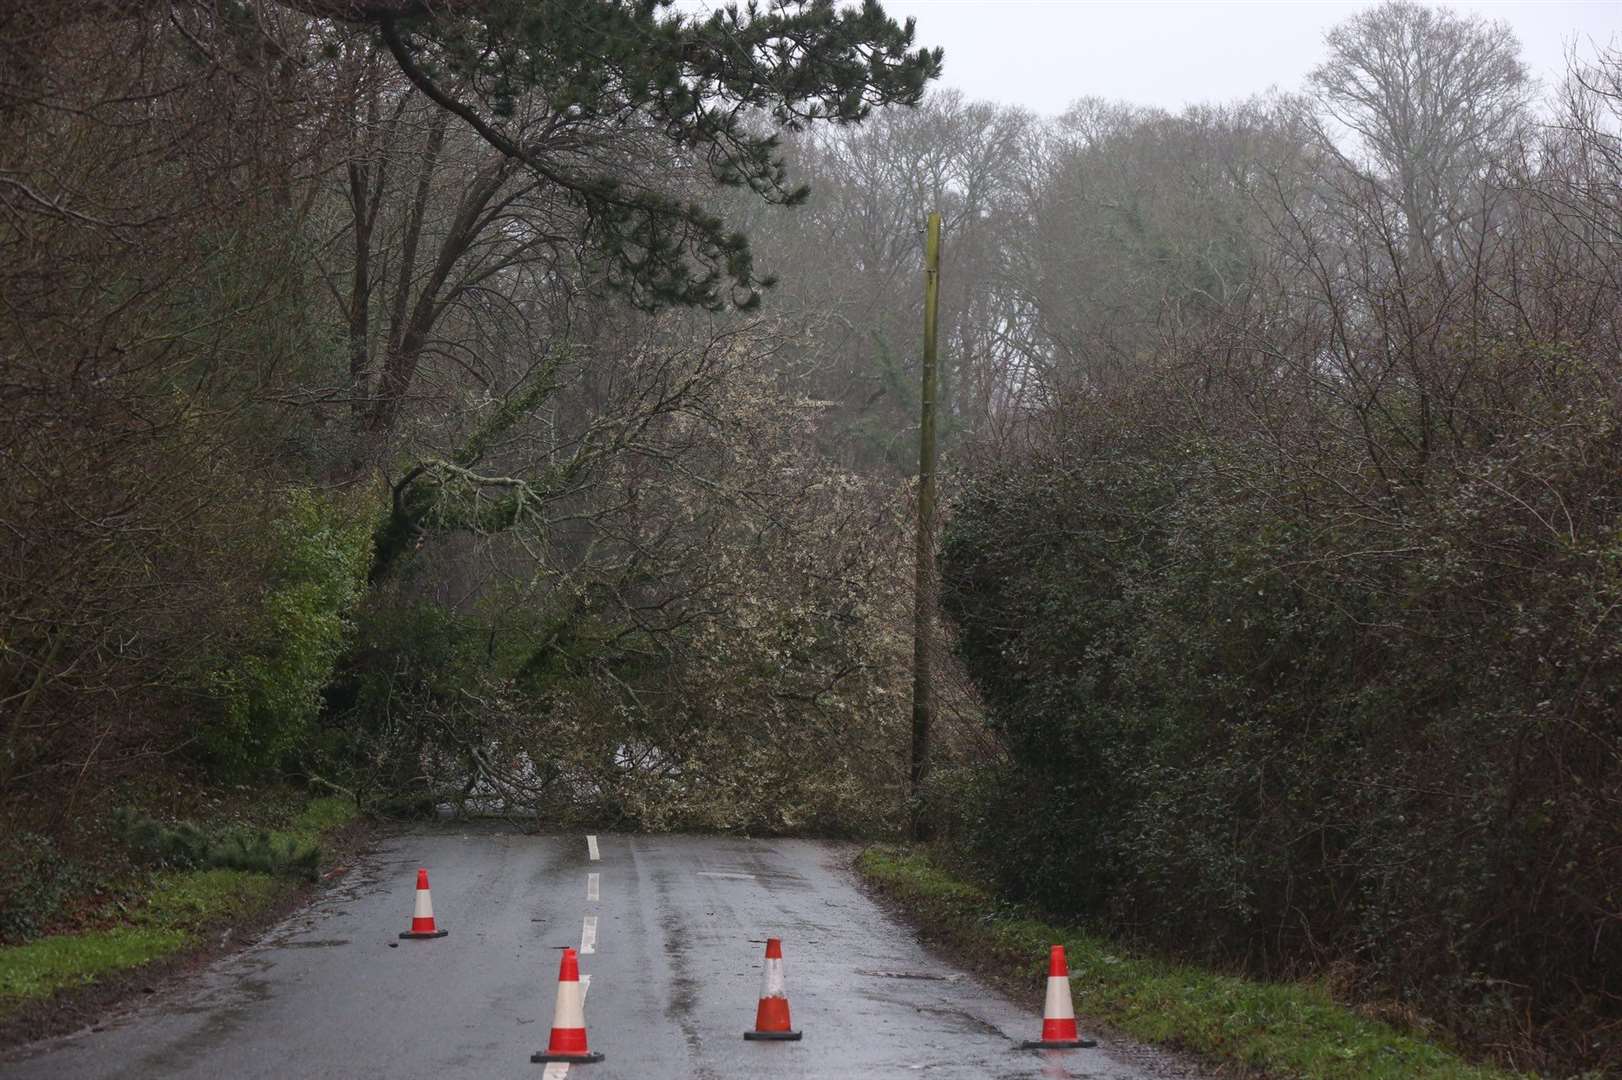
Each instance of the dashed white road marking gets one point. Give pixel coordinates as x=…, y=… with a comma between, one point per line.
x=588, y=935
x=557, y=1070
x=721, y=873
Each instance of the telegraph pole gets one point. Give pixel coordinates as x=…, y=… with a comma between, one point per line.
x=924, y=564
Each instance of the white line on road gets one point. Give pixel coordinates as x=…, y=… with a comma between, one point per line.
x=557, y=1070
x=588, y=935
x=718, y=873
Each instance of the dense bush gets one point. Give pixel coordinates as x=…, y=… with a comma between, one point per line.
x=267, y=689
x=1257, y=727
x=38, y=881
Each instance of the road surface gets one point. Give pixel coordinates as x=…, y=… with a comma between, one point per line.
x=671, y=931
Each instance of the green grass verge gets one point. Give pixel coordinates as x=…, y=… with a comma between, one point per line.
x=169, y=917
x=181, y=903
x=43, y=967
x=189, y=900
x=320, y=816
x=1276, y=1029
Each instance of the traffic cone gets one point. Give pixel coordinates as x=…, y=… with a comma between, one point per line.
x=422, y=918
x=1058, y=1013
x=771, y=1017
x=568, y=1041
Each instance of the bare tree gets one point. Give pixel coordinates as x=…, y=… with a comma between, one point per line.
x=1431, y=96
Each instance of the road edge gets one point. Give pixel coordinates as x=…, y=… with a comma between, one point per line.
x=92, y=1004
x=1230, y=1025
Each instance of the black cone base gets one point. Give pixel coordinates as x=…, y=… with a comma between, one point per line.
x=1058, y=1044
x=415, y=934
x=540, y=1056
x=772, y=1036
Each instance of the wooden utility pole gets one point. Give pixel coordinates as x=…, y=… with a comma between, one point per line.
x=924, y=566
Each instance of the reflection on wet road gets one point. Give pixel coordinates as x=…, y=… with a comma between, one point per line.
x=671, y=931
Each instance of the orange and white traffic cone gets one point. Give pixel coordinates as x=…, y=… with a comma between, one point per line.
x=422, y=917
x=771, y=1017
x=1058, y=1012
x=568, y=1041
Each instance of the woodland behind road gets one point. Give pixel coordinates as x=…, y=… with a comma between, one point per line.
x=513, y=406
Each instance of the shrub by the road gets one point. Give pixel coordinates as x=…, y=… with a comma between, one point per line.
x=1269, y=710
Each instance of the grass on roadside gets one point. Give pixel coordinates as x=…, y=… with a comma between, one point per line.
x=319, y=817
x=180, y=905
x=170, y=915
x=1277, y=1029
x=42, y=967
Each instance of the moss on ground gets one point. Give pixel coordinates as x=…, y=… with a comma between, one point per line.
x=1278, y=1029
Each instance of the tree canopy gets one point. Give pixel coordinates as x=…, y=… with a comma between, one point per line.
x=714, y=88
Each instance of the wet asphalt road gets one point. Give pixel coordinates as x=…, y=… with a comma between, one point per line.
x=675, y=976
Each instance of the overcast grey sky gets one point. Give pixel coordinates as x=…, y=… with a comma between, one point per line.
x=1043, y=54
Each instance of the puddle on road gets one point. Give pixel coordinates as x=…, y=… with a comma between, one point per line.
x=926, y=975
x=965, y=1021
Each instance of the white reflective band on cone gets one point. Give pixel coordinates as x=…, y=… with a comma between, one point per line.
x=1058, y=1005
x=425, y=905
x=569, y=1013
x=771, y=985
